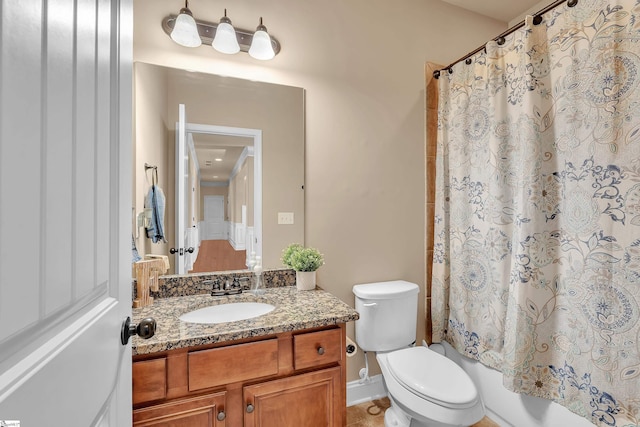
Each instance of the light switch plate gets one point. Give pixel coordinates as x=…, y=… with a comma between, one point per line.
x=285, y=218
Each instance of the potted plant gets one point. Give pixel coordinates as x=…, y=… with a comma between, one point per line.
x=305, y=261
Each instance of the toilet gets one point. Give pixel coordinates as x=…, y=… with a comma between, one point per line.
x=425, y=387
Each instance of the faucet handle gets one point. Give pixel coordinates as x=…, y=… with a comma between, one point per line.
x=216, y=287
x=235, y=287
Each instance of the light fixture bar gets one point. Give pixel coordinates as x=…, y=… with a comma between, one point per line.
x=207, y=31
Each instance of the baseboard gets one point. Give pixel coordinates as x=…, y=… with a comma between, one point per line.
x=365, y=391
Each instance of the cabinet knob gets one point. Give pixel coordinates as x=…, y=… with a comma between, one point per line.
x=320, y=351
x=249, y=408
x=221, y=416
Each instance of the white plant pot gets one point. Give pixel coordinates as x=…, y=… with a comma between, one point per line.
x=305, y=280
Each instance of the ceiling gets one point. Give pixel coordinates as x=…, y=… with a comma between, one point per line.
x=218, y=155
x=502, y=10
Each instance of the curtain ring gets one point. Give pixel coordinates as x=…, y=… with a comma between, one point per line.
x=500, y=41
x=436, y=74
x=468, y=61
x=537, y=20
x=450, y=70
x=572, y=3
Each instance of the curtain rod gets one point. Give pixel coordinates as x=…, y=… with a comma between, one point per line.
x=500, y=38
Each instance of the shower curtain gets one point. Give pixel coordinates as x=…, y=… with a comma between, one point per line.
x=536, y=269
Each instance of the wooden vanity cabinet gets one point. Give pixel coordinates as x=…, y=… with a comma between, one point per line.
x=310, y=400
x=200, y=411
x=291, y=379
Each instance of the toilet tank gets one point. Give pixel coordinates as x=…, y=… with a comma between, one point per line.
x=388, y=315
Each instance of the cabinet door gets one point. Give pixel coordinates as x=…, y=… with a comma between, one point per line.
x=201, y=411
x=311, y=400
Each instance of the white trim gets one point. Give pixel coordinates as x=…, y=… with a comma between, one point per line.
x=360, y=392
x=237, y=235
x=246, y=152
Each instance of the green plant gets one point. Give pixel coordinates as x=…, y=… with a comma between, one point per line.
x=288, y=252
x=300, y=258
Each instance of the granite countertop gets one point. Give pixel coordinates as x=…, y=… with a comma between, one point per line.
x=295, y=310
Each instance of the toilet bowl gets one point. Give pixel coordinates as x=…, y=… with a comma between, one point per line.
x=424, y=386
x=428, y=389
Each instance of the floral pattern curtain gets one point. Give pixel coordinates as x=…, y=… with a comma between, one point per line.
x=537, y=228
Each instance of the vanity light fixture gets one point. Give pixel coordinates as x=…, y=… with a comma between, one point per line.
x=225, y=40
x=261, y=47
x=185, y=30
x=222, y=36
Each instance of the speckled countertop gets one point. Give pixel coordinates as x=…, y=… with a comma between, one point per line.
x=295, y=310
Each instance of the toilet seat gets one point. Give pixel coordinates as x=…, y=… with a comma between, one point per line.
x=432, y=377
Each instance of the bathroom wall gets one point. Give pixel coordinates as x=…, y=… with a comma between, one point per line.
x=150, y=135
x=533, y=9
x=361, y=63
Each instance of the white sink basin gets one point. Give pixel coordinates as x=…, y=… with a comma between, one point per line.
x=227, y=312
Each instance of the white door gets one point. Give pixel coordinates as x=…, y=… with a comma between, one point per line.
x=182, y=189
x=65, y=211
x=214, y=218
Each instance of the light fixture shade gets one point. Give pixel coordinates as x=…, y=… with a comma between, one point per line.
x=185, y=30
x=225, y=40
x=261, y=47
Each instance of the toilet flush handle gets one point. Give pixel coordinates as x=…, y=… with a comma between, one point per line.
x=369, y=304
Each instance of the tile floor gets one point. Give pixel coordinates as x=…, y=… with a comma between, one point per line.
x=371, y=414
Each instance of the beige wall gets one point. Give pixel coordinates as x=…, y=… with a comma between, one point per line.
x=533, y=9
x=150, y=133
x=361, y=63
x=242, y=192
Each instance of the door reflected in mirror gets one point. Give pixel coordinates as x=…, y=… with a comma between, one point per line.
x=232, y=188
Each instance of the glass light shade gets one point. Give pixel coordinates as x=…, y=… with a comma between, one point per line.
x=261, y=47
x=225, y=40
x=185, y=31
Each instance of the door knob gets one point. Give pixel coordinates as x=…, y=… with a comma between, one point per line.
x=145, y=329
x=320, y=351
x=221, y=416
x=249, y=408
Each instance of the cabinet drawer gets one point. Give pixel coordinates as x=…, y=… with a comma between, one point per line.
x=149, y=380
x=227, y=365
x=317, y=348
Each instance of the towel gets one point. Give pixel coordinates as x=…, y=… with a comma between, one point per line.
x=134, y=251
x=156, y=202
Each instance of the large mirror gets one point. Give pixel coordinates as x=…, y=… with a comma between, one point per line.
x=243, y=167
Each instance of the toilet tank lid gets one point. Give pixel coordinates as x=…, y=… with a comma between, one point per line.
x=385, y=290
